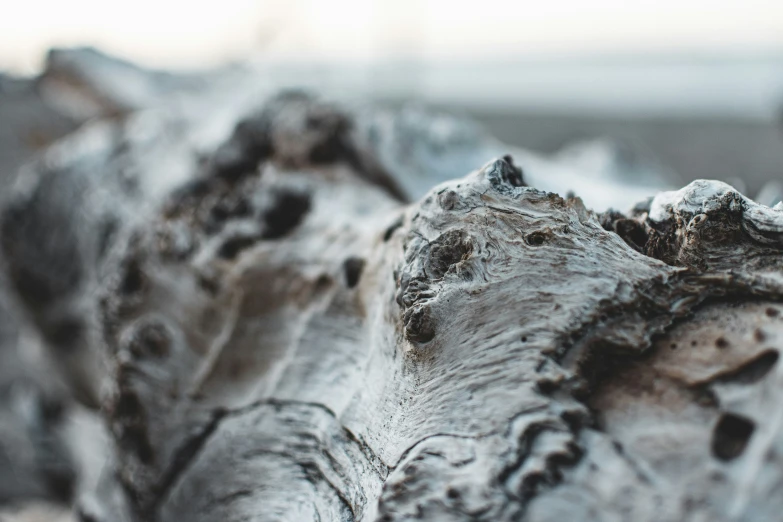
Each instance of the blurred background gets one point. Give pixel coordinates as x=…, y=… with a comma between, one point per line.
x=694, y=88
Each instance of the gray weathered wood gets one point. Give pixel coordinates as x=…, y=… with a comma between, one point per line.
x=441, y=361
x=283, y=337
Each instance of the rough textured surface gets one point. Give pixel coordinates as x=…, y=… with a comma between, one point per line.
x=457, y=361
x=272, y=333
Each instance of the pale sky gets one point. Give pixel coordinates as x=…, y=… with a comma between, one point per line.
x=194, y=33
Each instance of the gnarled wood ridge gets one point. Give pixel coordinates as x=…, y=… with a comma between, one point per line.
x=284, y=338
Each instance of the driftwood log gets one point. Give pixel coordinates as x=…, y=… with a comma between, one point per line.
x=271, y=331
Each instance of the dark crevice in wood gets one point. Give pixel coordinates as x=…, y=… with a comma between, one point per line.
x=288, y=210
x=731, y=436
x=184, y=455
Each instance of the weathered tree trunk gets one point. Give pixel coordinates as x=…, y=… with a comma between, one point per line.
x=286, y=339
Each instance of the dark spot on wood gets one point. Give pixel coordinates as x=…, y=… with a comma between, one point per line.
x=127, y=405
x=52, y=409
x=60, y=481
x=513, y=175
x=133, y=279
x=721, y=343
x=233, y=246
x=575, y=420
x=66, y=334
x=152, y=339
x=419, y=326
x=632, y=232
x=240, y=155
x=535, y=239
x=502, y=174
x=448, y=200
x=693, y=343
x=390, y=231
x=759, y=335
x=730, y=436
x=209, y=283
x=446, y=251
x=570, y=456
x=234, y=163
x=524, y=338
x=698, y=220
x=772, y=312
x=353, y=267
x=187, y=197
x=453, y=493
x=286, y=214
x=323, y=282
x=332, y=144
x=227, y=208
x=531, y=483
x=129, y=424
x=753, y=370
x=673, y=346
x=547, y=386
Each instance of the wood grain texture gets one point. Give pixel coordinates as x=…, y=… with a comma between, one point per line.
x=442, y=361
x=283, y=337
